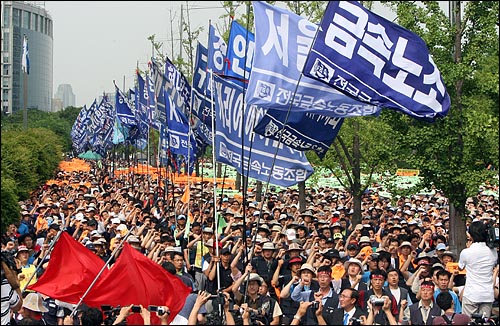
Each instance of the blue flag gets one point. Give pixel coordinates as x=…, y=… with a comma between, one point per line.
x=201, y=102
x=101, y=127
x=144, y=111
x=120, y=132
x=25, y=61
x=302, y=131
x=181, y=84
x=240, y=52
x=80, y=133
x=217, y=50
x=162, y=81
x=282, y=42
x=178, y=131
x=123, y=109
x=376, y=61
x=252, y=155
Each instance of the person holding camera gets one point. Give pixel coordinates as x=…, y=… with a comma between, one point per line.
x=478, y=260
x=304, y=308
x=375, y=300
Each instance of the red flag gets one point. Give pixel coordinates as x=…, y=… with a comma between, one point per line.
x=71, y=270
x=136, y=279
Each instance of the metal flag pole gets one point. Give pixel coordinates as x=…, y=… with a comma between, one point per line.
x=101, y=271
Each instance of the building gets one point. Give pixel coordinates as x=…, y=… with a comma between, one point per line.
x=65, y=94
x=18, y=19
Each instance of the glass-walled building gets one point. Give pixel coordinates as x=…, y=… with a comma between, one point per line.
x=18, y=19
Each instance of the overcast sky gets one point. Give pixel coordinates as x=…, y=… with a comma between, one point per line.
x=96, y=42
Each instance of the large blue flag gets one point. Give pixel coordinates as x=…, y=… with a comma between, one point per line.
x=376, y=61
x=240, y=51
x=180, y=140
x=302, y=131
x=181, y=84
x=201, y=102
x=144, y=111
x=123, y=109
x=282, y=42
x=217, y=50
x=252, y=155
x=129, y=124
x=81, y=133
x=162, y=81
x=101, y=127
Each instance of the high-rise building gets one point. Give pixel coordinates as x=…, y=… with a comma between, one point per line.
x=18, y=19
x=65, y=94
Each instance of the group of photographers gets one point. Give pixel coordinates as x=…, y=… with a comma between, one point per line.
x=274, y=266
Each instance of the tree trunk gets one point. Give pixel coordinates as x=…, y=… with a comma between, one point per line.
x=457, y=233
x=219, y=170
x=258, y=191
x=237, y=183
x=356, y=176
x=302, y=196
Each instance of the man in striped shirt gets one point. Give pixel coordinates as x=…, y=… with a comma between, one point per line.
x=11, y=298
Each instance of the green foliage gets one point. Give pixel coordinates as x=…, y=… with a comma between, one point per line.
x=59, y=122
x=29, y=158
x=9, y=209
x=453, y=153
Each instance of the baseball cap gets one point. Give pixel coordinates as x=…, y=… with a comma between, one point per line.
x=337, y=236
x=225, y=251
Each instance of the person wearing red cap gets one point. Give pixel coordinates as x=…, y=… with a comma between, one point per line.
x=381, y=314
x=288, y=306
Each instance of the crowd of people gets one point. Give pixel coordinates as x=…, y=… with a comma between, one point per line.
x=264, y=262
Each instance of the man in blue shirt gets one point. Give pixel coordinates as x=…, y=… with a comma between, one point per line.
x=442, y=281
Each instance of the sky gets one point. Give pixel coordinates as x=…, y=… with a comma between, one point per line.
x=96, y=42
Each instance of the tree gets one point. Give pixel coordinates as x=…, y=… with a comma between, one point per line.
x=364, y=145
x=29, y=158
x=454, y=153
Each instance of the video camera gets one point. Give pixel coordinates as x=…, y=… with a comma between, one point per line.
x=492, y=235
x=159, y=310
x=479, y=319
x=110, y=313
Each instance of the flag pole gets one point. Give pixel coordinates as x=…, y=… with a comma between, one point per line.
x=43, y=258
x=101, y=271
x=25, y=96
x=25, y=63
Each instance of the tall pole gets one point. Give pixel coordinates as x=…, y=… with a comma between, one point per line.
x=25, y=96
x=180, y=31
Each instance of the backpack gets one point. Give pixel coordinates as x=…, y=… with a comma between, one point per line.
x=448, y=321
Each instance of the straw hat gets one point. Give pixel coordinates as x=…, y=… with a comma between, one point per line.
x=34, y=302
x=307, y=267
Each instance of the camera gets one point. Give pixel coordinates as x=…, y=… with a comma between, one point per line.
x=110, y=313
x=159, y=310
x=355, y=321
x=315, y=305
x=377, y=302
x=492, y=235
x=136, y=309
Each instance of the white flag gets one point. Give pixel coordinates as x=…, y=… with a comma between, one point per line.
x=26, y=59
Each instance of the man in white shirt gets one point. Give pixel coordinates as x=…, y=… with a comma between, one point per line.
x=478, y=260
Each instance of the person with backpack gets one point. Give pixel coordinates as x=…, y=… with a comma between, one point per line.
x=444, y=300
